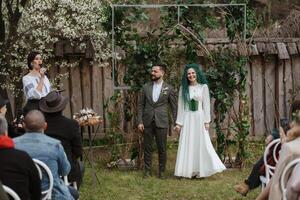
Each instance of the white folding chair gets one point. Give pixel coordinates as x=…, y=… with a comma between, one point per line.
x=269, y=169
x=284, y=173
x=73, y=184
x=11, y=192
x=46, y=194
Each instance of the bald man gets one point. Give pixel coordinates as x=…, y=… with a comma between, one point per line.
x=49, y=150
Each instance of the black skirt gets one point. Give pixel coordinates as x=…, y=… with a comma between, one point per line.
x=31, y=104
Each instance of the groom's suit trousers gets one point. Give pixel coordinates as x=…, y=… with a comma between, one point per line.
x=160, y=135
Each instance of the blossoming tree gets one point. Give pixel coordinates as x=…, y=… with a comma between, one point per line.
x=27, y=25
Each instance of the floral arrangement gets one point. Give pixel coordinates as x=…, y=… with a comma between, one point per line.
x=87, y=116
x=124, y=164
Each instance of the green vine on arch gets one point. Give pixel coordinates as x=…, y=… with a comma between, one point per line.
x=141, y=50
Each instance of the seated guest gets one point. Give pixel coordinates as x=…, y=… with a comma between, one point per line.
x=290, y=150
x=14, y=130
x=293, y=184
x=48, y=150
x=64, y=129
x=17, y=170
x=253, y=180
x=3, y=108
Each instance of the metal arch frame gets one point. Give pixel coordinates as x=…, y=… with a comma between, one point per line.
x=113, y=6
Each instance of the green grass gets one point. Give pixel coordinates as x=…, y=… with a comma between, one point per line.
x=117, y=184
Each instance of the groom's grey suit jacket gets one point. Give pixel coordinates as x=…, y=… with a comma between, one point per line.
x=148, y=110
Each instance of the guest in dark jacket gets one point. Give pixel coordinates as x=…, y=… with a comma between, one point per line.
x=17, y=170
x=14, y=129
x=64, y=129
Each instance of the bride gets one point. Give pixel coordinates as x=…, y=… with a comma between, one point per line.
x=196, y=156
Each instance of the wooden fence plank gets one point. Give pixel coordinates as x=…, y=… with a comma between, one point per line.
x=261, y=47
x=292, y=48
x=108, y=89
x=281, y=89
x=282, y=51
x=270, y=98
x=76, y=95
x=97, y=90
x=66, y=87
x=250, y=96
x=288, y=79
x=86, y=84
x=258, y=108
x=271, y=48
x=296, y=75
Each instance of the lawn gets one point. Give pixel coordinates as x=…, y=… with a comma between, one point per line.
x=118, y=184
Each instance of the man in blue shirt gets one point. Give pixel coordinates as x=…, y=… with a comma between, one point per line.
x=48, y=150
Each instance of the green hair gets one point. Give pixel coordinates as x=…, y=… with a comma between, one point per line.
x=185, y=82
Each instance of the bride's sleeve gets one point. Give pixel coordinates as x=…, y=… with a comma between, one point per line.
x=206, y=104
x=180, y=109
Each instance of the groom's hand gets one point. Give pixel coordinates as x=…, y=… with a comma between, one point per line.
x=141, y=127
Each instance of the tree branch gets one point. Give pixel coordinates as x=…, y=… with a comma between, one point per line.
x=2, y=26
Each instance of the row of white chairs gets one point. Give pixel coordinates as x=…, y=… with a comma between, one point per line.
x=46, y=194
x=270, y=169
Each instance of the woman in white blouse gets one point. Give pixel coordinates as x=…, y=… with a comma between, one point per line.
x=196, y=156
x=36, y=85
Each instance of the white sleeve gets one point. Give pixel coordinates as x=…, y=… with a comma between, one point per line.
x=206, y=104
x=30, y=89
x=180, y=109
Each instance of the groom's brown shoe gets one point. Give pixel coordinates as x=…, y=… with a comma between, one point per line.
x=242, y=188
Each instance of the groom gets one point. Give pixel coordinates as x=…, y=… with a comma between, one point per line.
x=153, y=117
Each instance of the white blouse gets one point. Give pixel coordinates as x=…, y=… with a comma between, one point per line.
x=199, y=93
x=30, y=84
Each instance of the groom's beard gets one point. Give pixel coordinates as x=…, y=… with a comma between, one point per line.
x=155, y=78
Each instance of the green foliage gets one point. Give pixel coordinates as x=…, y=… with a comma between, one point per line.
x=231, y=68
x=235, y=20
x=169, y=44
x=114, y=135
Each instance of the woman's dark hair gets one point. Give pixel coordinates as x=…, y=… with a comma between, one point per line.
x=31, y=57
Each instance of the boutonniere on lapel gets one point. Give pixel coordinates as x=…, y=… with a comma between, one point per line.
x=164, y=91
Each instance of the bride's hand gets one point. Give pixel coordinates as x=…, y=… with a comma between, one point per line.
x=177, y=128
x=206, y=125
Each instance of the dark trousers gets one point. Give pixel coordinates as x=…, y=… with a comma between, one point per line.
x=73, y=192
x=160, y=135
x=253, y=180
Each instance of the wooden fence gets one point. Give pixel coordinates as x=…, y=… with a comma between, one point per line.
x=273, y=81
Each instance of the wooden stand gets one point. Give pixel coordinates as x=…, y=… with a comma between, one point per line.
x=89, y=154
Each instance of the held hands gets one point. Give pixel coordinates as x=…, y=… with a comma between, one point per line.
x=141, y=128
x=206, y=125
x=177, y=128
